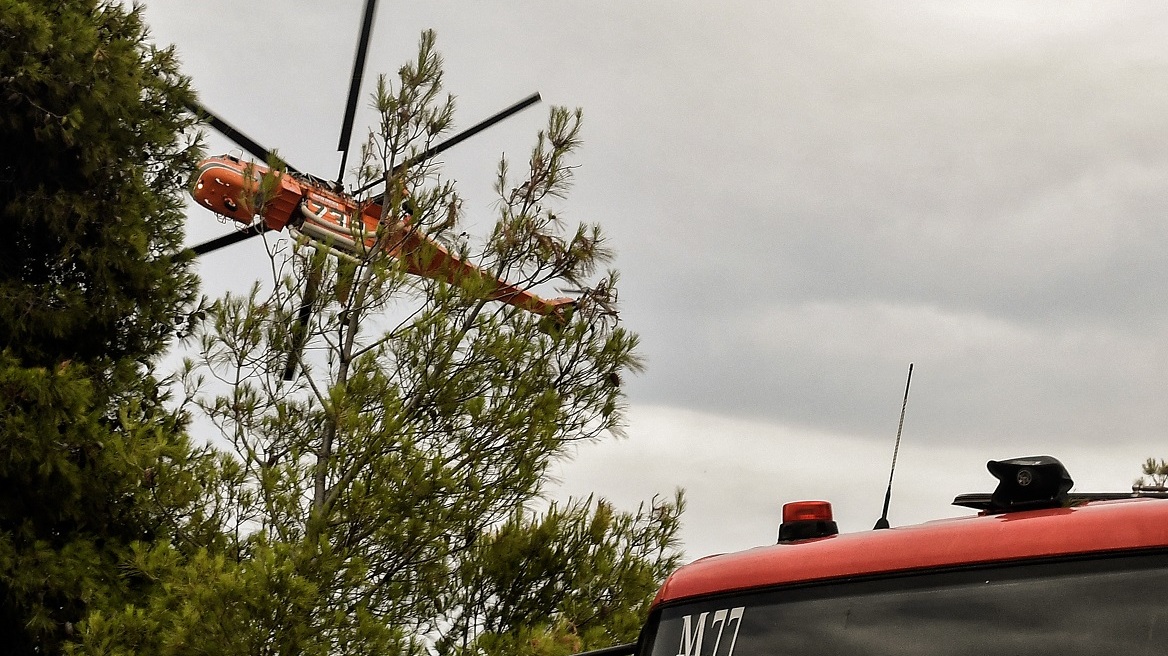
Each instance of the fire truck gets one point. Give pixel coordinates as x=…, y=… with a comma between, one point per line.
x=1039, y=570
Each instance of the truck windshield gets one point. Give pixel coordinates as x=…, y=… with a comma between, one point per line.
x=1111, y=605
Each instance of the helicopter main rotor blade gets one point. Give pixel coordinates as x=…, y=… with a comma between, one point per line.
x=355, y=84
x=299, y=332
x=460, y=137
x=233, y=133
x=229, y=239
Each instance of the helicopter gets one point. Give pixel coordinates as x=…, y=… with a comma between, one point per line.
x=322, y=214
x=315, y=213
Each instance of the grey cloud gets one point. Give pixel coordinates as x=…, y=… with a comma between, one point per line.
x=805, y=197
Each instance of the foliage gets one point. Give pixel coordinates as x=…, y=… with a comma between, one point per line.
x=93, y=466
x=90, y=170
x=379, y=500
x=1157, y=471
x=595, y=569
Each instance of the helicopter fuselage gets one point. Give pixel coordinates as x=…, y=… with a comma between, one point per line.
x=233, y=188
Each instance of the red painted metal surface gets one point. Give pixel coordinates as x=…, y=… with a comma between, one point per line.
x=1106, y=526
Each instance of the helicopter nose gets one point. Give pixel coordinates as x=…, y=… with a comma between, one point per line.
x=218, y=190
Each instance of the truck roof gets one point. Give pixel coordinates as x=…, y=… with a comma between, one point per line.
x=1102, y=526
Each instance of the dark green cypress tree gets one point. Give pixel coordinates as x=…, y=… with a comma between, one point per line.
x=91, y=163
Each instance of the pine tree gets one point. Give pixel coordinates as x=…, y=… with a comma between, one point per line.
x=578, y=576
x=90, y=291
x=1156, y=471
x=383, y=494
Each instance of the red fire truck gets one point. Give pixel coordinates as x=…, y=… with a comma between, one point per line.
x=1039, y=570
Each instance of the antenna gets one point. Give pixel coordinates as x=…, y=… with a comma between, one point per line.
x=883, y=521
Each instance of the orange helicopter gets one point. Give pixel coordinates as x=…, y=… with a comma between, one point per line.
x=312, y=212
x=317, y=212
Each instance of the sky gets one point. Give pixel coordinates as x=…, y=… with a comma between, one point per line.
x=804, y=198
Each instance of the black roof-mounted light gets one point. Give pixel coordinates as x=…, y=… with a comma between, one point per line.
x=1034, y=482
x=1041, y=482
x=1023, y=484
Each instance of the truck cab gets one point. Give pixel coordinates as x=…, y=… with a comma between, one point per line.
x=1038, y=571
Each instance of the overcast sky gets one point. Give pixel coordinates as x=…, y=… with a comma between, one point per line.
x=805, y=197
